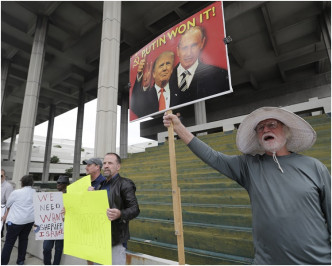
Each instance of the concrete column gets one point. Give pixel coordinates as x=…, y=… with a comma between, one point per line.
x=4, y=74
x=124, y=126
x=48, y=145
x=200, y=113
x=12, y=144
x=105, y=138
x=30, y=104
x=326, y=32
x=79, y=134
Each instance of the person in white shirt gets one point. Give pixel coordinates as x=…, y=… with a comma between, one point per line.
x=6, y=189
x=19, y=219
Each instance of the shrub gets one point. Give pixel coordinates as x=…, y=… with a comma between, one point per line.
x=69, y=171
x=55, y=159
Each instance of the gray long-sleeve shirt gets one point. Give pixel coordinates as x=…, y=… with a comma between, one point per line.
x=6, y=189
x=291, y=211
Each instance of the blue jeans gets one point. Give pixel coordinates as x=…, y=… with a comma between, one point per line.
x=21, y=231
x=48, y=246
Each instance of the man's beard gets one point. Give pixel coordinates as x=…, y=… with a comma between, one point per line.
x=107, y=174
x=274, y=144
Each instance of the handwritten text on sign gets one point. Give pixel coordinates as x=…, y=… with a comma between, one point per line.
x=48, y=217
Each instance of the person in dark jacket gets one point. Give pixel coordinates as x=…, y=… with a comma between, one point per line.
x=192, y=79
x=148, y=100
x=93, y=168
x=123, y=205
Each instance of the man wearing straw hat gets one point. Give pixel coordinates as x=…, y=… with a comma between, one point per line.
x=290, y=194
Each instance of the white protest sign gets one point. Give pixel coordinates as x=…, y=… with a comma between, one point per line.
x=48, y=217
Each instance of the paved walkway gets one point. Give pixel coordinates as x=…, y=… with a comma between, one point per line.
x=29, y=259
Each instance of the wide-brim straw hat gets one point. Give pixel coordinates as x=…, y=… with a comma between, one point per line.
x=303, y=136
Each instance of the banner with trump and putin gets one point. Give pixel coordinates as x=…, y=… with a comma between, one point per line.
x=186, y=64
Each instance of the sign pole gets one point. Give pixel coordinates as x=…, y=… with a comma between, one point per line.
x=177, y=210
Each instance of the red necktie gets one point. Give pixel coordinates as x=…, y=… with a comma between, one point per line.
x=162, y=101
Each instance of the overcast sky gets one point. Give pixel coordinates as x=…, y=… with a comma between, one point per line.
x=65, y=127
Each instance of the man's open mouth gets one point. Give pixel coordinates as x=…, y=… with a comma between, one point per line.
x=268, y=138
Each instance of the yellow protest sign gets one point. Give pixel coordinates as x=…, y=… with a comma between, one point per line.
x=80, y=185
x=87, y=230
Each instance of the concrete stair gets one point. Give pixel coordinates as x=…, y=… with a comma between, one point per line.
x=214, y=214
x=216, y=210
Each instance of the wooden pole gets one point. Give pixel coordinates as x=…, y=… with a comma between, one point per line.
x=176, y=196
